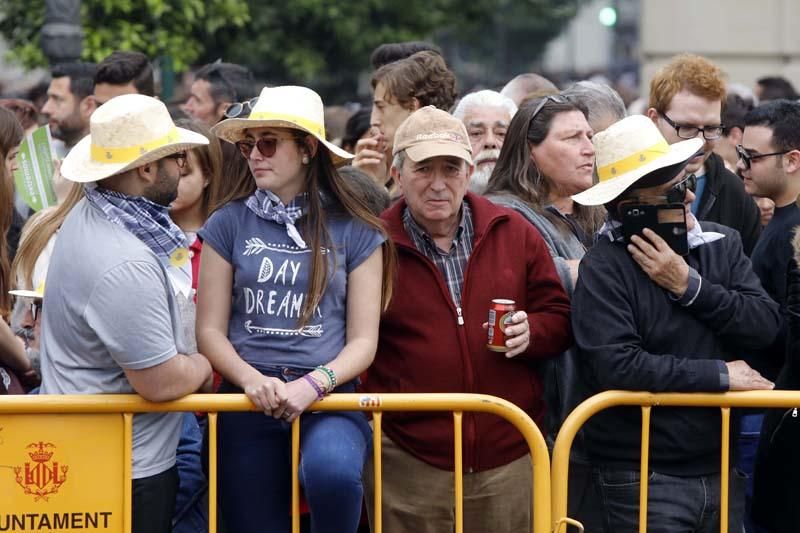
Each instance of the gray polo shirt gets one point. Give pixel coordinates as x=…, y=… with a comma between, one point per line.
x=108, y=305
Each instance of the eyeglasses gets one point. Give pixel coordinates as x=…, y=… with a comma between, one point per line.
x=237, y=109
x=36, y=308
x=690, y=132
x=677, y=193
x=267, y=146
x=748, y=158
x=179, y=157
x=555, y=98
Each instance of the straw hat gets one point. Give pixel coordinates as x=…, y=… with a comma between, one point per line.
x=290, y=106
x=629, y=150
x=126, y=132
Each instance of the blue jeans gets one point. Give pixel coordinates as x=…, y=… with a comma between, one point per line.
x=749, y=435
x=255, y=468
x=191, y=503
x=675, y=504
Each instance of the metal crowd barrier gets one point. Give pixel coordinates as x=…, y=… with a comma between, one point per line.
x=604, y=400
x=127, y=405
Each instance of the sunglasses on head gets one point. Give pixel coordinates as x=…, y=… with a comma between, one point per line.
x=555, y=98
x=238, y=109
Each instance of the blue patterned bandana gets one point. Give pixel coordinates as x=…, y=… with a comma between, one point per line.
x=151, y=224
x=268, y=206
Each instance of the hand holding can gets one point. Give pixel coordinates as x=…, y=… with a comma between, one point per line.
x=500, y=311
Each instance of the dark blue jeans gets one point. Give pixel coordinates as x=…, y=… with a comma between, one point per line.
x=675, y=504
x=255, y=469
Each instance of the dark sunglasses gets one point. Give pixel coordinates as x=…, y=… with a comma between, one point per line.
x=555, y=98
x=748, y=158
x=677, y=193
x=36, y=308
x=179, y=157
x=236, y=110
x=267, y=146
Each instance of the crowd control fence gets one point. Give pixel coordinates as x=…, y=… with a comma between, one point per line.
x=647, y=401
x=65, y=460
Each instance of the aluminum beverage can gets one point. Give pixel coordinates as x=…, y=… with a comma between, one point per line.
x=499, y=312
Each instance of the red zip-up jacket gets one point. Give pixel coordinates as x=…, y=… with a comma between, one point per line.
x=426, y=344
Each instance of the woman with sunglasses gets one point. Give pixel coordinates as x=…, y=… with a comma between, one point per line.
x=293, y=279
x=547, y=156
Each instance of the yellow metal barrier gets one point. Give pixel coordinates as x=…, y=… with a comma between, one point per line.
x=126, y=405
x=604, y=400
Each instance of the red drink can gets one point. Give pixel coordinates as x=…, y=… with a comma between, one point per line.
x=500, y=311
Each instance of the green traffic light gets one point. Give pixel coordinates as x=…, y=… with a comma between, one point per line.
x=607, y=16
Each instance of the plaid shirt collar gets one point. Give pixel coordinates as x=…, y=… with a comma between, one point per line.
x=418, y=233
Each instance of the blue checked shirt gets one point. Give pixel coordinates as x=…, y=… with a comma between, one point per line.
x=451, y=263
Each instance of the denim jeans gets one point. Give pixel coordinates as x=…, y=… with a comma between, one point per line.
x=255, y=467
x=749, y=435
x=191, y=503
x=675, y=504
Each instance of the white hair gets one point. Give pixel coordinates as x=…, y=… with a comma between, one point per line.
x=484, y=98
x=600, y=100
x=399, y=159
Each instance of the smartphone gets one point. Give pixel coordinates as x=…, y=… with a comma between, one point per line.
x=668, y=221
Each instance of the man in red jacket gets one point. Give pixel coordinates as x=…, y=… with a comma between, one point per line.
x=458, y=251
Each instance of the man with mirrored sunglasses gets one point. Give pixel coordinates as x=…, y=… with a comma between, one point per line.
x=686, y=99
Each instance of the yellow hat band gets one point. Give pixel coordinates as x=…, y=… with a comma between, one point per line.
x=126, y=154
x=633, y=161
x=314, y=127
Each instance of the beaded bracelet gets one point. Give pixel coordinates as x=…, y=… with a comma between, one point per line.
x=331, y=375
x=320, y=393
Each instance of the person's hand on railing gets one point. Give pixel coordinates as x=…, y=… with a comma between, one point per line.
x=742, y=377
x=267, y=393
x=300, y=394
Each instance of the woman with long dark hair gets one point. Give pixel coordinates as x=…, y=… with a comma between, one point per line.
x=12, y=351
x=548, y=156
x=293, y=279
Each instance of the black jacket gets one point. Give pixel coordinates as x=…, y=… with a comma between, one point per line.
x=725, y=202
x=631, y=335
x=777, y=470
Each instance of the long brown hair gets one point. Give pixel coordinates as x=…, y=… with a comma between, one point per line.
x=10, y=136
x=323, y=177
x=37, y=232
x=209, y=157
x=517, y=174
x=237, y=180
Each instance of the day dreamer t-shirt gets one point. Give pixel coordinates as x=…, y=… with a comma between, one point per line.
x=270, y=282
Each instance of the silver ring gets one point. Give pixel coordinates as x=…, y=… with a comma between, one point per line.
x=286, y=415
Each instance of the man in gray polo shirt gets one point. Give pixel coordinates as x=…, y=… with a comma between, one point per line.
x=111, y=322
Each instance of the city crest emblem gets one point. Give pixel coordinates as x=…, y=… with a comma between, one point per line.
x=42, y=477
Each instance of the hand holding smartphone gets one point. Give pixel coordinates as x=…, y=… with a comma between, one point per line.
x=667, y=221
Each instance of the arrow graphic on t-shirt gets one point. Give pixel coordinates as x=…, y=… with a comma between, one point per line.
x=307, y=331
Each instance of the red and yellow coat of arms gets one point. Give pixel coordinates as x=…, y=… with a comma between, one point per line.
x=42, y=477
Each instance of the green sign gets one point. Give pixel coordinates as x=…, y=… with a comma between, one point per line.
x=34, y=177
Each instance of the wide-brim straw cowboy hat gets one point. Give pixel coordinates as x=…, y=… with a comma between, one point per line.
x=289, y=106
x=628, y=151
x=126, y=132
